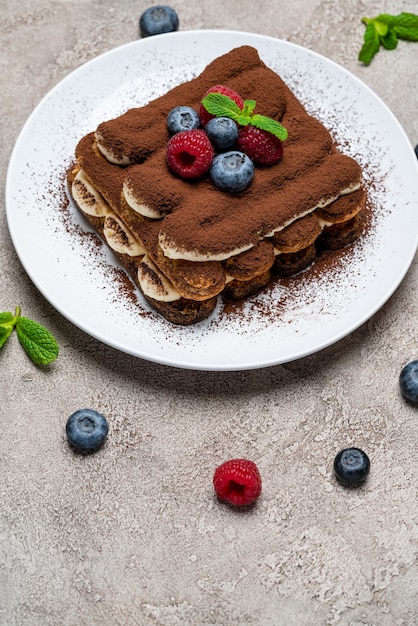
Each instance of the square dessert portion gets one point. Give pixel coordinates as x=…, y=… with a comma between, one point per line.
x=185, y=241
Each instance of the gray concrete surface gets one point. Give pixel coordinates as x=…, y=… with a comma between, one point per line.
x=134, y=534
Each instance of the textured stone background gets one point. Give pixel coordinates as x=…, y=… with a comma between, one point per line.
x=134, y=534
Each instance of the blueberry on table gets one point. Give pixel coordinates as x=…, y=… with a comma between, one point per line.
x=408, y=381
x=416, y=150
x=182, y=118
x=232, y=171
x=223, y=133
x=86, y=430
x=157, y=20
x=351, y=466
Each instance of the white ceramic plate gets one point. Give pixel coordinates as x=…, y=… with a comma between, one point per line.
x=82, y=280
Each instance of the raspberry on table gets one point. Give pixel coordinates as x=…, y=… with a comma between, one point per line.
x=190, y=153
x=237, y=481
x=226, y=91
x=262, y=147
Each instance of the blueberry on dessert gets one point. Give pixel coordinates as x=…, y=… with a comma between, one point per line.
x=157, y=20
x=232, y=171
x=408, y=381
x=223, y=133
x=86, y=430
x=351, y=466
x=182, y=118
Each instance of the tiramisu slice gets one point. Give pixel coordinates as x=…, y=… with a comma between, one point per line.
x=186, y=241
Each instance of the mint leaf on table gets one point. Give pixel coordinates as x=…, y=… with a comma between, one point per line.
x=385, y=30
x=220, y=105
x=389, y=41
x=37, y=341
x=405, y=26
x=6, y=327
x=39, y=344
x=4, y=334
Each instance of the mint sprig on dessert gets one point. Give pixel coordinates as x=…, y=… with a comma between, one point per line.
x=39, y=344
x=386, y=30
x=221, y=106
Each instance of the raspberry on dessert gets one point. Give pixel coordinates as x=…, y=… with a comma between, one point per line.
x=237, y=481
x=261, y=146
x=226, y=91
x=190, y=153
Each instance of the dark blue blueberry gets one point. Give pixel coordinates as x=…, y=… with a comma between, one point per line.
x=416, y=150
x=87, y=430
x=157, y=20
x=408, y=381
x=232, y=171
x=182, y=118
x=223, y=133
x=351, y=466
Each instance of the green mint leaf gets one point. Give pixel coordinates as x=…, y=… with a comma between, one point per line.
x=405, y=26
x=389, y=41
x=272, y=126
x=371, y=43
x=41, y=347
x=4, y=334
x=382, y=23
x=242, y=120
x=220, y=105
x=7, y=322
x=248, y=109
x=6, y=319
x=385, y=30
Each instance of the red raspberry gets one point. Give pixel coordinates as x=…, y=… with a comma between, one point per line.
x=226, y=91
x=237, y=481
x=190, y=153
x=262, y=147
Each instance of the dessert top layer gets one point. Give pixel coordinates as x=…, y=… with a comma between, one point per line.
x=197, y=221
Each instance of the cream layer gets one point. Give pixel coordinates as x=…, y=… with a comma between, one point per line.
x=176, y=252
x=88, y=198
x=110, y=156
x=154, y=284
x=136, y=204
